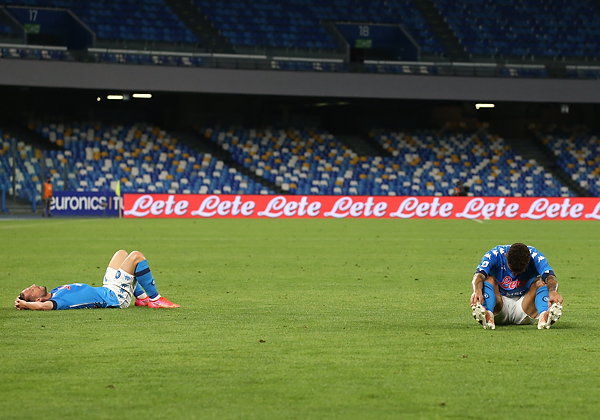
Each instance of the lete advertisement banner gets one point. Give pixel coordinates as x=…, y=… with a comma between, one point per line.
x=359, y=207
x=75, y=203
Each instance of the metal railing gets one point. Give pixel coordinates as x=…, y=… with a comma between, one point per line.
x=317, y=64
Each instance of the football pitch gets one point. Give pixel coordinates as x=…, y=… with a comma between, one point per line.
x=295, y=319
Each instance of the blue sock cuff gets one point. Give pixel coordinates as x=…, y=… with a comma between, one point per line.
x=489, y=296
x=541, y=299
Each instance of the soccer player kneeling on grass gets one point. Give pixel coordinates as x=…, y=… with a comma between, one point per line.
x=127, y=275
x=514, y=284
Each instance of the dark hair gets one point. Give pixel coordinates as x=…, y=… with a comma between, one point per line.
x=518, y=257
x=22, y=297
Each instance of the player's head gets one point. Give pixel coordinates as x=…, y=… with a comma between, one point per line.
x=33, y=293
x=518, y=257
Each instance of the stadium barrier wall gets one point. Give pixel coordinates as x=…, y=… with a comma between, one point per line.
x=358, y=207
x=75, y=203
x=131, y=78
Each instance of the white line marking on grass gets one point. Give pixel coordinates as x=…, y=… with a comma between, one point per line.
x=18, y=226
x=477, y=220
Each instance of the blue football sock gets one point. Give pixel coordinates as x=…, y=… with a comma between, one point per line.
x=541, y=299
x=145, y=279
x=138, y=290
x=489, y=297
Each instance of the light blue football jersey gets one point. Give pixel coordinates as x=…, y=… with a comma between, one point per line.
x=83, y=296
x=494, y=264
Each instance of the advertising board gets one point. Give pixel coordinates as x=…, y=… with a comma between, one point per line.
x=74, y=203
x=361, y=207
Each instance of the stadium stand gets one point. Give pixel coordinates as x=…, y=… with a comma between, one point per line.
x=35, y=53
x=26, y=171
x=150, y=32
x=144, y=158
x=133, y=20
x=308, y=161
x=8, y=27
x=436, y=160
x=238, y=61
x=549, y=29
x=577, y=152
x=312, y=161
x=296, y=24
x=400, y=68
x=147, y=57
x=583, y=72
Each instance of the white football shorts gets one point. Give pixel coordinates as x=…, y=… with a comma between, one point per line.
x=512, y=312
x=122, y=283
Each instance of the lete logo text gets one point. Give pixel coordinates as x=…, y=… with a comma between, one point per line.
x=373, y=207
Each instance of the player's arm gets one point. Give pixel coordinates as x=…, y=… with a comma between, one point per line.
x=548, y=276
x=477, y=284
x=20, y=304
x=488, y=262
x=553, y=295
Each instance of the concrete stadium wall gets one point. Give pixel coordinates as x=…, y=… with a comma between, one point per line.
x=128, y=78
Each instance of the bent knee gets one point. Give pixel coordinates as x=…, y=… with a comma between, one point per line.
x=137, y=256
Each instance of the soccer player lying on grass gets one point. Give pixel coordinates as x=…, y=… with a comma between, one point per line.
x=124, y=275
x=514, y=284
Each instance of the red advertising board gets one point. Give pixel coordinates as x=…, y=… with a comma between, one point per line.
x=358, y=207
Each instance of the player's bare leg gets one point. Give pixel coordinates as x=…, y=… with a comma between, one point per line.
x=113, y=266
x=118, y=259
x=136, y=264
x=131, y=261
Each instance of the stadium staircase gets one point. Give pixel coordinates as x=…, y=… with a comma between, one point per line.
x=454, y=50
x=205, y=146
x=533, y=148
x=194, y=20
x=17, y=206
x=29, y=137
x=9, y=28
x=363, y=146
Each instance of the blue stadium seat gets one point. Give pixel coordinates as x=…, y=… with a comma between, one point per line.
x=577, y=151
x=312, y=161
x=553, y=28
x=144, y=158
x=135, y=20
x=297, y=25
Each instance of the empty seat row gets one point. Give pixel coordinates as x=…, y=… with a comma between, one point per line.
x=312, y=161
x=134, y=20
x=553, y=28
x=577, y=152
x=264, y=23
x=143, y=158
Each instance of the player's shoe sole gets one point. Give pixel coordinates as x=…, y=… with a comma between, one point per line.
x=484, y=317
x=550, y=316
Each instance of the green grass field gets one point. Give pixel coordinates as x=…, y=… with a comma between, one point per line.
x=295, y=319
